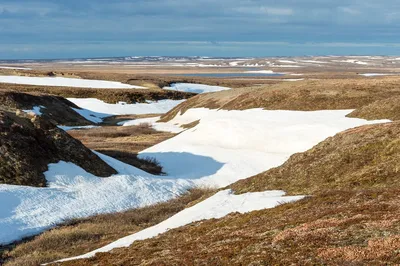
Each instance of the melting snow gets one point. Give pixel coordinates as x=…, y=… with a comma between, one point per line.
x=122, y=108
x=217, y=206
x=66, y=82
x=16, y=68
x=376, y=74
x=224, y=147
x=195, y=88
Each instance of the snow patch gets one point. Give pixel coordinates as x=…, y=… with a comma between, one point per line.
x=16, y=68
x=376, y=74
x=195, y=88
x=67, y=82
x=123, y=108
x=262, y=72
x=74, y=193
x=217, y=206
x=242, y=143
x=36, y=110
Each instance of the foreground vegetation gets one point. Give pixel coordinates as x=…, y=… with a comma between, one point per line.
x=352, y=216
x=83, y=235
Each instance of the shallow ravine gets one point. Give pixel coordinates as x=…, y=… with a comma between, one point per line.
x=223, y=148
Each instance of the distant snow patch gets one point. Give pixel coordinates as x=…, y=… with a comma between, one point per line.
x=195, y=88
x=217, y=206
x=16, y=68
x=376, y=74
x=66, y=82
x=262, y=72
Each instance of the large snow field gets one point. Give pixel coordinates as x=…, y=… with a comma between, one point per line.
x=73, y=192
x=122, y=108
x=217, y=206
x=230, y=145
x=67, y=82
x=224, y=147
x=195, y=88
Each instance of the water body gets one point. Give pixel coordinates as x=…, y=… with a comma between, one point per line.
x=230, y=75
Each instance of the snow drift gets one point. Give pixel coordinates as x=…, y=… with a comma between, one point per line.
x=67, y=82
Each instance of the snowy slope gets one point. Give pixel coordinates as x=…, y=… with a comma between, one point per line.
x=195, y=88
x=73, y=192
x=67, y=82
x=122, y=108
x=217, y=206
x=224, y=147
x=230, y=145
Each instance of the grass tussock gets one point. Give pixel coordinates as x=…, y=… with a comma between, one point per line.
x=334, y=228
x=83, y=235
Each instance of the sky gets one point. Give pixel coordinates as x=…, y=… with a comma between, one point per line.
x=44, y=29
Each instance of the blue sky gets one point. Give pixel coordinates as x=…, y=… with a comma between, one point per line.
x=97, y=28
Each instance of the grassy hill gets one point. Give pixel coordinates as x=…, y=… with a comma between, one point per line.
x=352, y=216
x=307, y=95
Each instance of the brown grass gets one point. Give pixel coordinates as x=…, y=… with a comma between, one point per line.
x=124, y=143
x=307, y=95
x=334, y=228
x=83, y=235
x=382, y=109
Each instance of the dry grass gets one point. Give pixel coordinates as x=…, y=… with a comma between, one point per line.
x=335, y=228
x=107, y=95
x=124, y=143
x=382, y=109
x=83, y=235
x=307, y=95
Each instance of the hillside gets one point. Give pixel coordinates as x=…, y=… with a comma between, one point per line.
x=307, y=95
x=29, y=145
x=361, y=158
x=53, y=108
x=382, y=109
x=351, y=217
